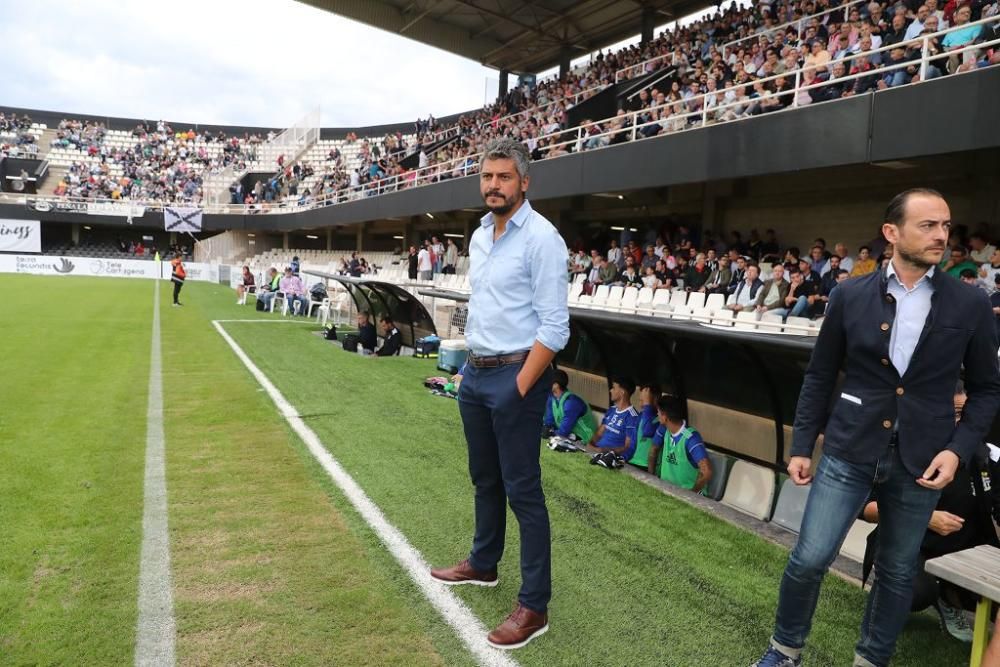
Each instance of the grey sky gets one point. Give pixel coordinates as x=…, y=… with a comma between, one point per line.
x=246, y=62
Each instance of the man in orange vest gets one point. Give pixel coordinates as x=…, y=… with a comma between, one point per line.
x=177, y=275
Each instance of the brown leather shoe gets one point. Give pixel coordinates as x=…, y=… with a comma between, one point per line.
x=463, y=573
x=521, y=627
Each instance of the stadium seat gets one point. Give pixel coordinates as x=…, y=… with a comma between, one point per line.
x=614, y=300
x=723, y=317
x=770, y=323
x=681, y=313
x=750, y=490
x=791, y=505
x=661, y=301
x=644, y=301
x=678, y=298
x=715, y=302
x=721, y=465
x=746, y=320
x=798, y=326
x=584, y=301
x=701, y=314
x=628, y=300
x=857, y=540
x=696, y=300
x=575, y=290
x=600, y=296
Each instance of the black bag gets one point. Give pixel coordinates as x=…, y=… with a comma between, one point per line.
x=331, y=333
x=260, y=304
x=351, y=342
x=318, y=292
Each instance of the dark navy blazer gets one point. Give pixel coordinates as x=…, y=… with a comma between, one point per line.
x=959, y=331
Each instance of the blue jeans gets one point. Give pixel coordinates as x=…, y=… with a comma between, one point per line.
x=502, y=430
x=838, y=494
x=801, y=304
x=303, y=300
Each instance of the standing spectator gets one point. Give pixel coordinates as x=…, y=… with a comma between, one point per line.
x=846, y=263
x=685, y=460
x=450, y=257
x=411, y=260
x=771, y=295
x=177, y=276
x=438, y=249
x=615, y=255
x=424, y=265
x=864, y=264
x=744, y=297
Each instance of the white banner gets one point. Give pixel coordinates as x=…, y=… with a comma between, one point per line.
x=122, y=209
x=182, y=219
x=48, y=265
x=20, y=235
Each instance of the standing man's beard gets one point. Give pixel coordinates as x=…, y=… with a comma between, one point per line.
x=916, y=260
x=507, y=206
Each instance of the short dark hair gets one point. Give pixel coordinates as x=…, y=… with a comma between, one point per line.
x=967, y=273
x=895, y=212
x=625, y=383
x=960, y=248
x=560, y=378
x=386, y=318
x=672, y=407
x=653, y=387
x=864, y=247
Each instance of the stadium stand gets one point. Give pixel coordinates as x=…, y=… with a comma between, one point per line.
x=745, y=62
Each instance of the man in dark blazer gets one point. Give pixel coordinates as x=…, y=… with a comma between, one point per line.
x=901, y=335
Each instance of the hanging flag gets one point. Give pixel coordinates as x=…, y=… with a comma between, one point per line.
x=182, y=219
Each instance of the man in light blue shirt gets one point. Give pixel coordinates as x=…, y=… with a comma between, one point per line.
x=518, y=320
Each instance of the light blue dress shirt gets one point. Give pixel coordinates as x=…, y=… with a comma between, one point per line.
x=912, y=308
x=518, y=286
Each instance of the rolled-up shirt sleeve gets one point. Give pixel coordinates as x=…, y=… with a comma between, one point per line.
x=548, y=286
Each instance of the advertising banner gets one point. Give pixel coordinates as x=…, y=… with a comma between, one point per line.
x=20, y=235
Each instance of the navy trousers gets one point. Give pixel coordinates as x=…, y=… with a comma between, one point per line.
x=502, y=430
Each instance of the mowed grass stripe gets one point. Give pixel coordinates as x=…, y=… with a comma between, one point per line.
x=639, y=578
x=267, y=566
x=74, y=370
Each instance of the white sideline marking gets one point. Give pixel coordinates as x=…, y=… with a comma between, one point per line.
x=465, y=624
x=154, y=645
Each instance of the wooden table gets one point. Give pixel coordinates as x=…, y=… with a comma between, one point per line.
x=976, y=570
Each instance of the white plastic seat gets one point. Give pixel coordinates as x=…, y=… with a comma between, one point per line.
x=575, y=290
x=696, y=300
x=857, y=540
x=600, y=296
x=798, y=326
x=700, y=314
x=746, y=320
x=681, y=312
x=628, y=300
x=661, y=300
x=678, y=298
x=770, y=323
x=791, y=505
x=715, y=302
x=724, y=317
x=614, y=299
x=644, y=300
x=750, y=490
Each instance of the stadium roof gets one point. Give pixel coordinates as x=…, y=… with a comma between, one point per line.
x=512, y=35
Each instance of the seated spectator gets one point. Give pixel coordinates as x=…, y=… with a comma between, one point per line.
x=989, y=271
x=771, y=295
x=718, y=281
x=963, y=519
x=245, y=286
x=982, y=251
x=968, y=276
x=796, y=302
x=664, y=275
x=959, y=261
x=685, y=460
x=744, y=297
x=266, y=293
x=566, y=414
x=808, y=275
x=392, y=340
x=819, y=300
x=617, y=432
x=651, y=280
x=864, y=264
x=367, y=338
x=295, y=292
x=995, y=301
x=630, y=277
x=696, y=274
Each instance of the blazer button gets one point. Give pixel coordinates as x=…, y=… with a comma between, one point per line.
x=885, y=362
x=884, y=326
x=899, y=391
x=890, y=298
x=886, y=423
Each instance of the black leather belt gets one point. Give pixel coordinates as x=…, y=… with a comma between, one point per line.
x=497, y=360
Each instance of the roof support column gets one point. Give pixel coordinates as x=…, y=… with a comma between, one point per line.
x=564, y=58
x=503, y=83
x=648, y=24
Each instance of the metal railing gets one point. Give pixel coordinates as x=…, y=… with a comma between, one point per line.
x=798, y=24
x=591, y=135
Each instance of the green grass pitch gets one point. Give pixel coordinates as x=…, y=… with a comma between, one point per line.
x=270, y=563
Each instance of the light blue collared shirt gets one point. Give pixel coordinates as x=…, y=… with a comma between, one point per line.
x=518, y=286
x=912, y=308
